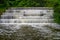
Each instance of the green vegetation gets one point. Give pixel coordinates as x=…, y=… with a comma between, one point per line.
x=19, y=3
x=56, y=6
x=22, y=3
x=57, y=12
x=2, y=10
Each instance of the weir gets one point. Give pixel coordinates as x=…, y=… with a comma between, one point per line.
x=38, y=17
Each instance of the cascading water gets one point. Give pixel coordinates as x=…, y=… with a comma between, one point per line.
x=13, y=18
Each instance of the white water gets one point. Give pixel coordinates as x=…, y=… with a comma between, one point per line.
x=13, y=19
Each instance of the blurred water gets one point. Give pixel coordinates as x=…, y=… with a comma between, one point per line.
x=11, y=20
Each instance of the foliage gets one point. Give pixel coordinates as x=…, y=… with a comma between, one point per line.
x=1, y=11
x=23, y=3
x=19, y=3
x=56, y=6
x=57, y=12
x=50, y=3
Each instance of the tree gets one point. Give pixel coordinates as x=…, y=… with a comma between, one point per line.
x=57, y=12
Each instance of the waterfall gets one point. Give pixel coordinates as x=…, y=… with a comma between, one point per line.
x=13, y=18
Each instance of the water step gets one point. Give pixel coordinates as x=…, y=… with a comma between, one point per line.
x=25, y=17
x=35, y=14
x=52, y=25
x=56, y=38
x=26, y=20
x=57, y=34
